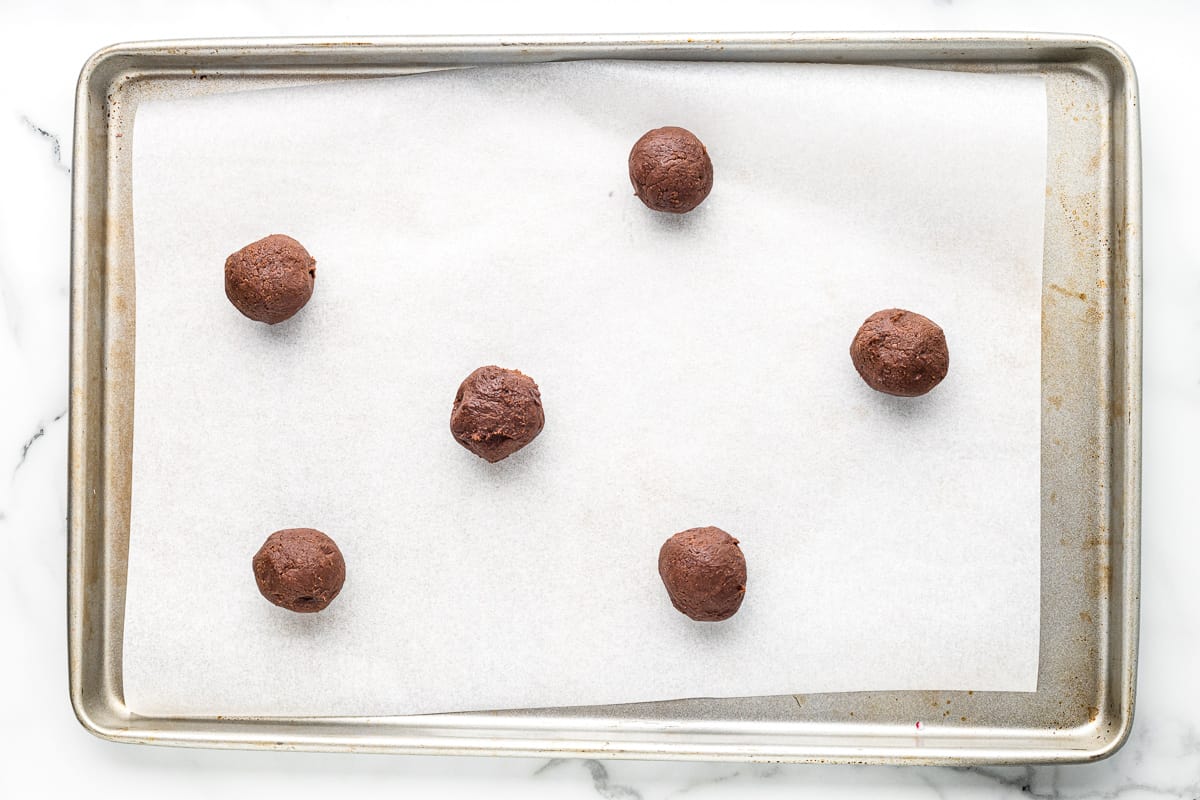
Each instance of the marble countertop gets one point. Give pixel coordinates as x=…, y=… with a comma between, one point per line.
x=44, y=750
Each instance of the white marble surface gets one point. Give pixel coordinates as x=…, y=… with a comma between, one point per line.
x=43, y=751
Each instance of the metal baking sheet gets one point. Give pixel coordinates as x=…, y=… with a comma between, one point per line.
x=1091, y=414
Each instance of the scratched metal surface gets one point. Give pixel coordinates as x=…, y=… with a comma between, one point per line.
x=1091, y=392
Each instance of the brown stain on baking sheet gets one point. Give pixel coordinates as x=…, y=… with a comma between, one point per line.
x=1098, y=158
x=1082, y=215
x=1099, y=583
x=1116, y=409
x=1092, y=315
x=1067, y=292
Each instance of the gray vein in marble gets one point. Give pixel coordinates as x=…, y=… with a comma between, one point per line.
x=12, y=304
x=694, y=785
x=551, y=764
x=1189, y=792
x=1043, y=783
x=758, y=771
x=931, y=783
x=39, y=433
x=1015, y=777
x=600, y=780
x=54, y=142
x=1038, y=782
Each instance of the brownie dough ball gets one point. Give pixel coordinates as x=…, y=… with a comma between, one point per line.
x=300, y=569
x=704, y=572
x=271, y=279
x=900, y=352
x=496, y=412
x=670, y=170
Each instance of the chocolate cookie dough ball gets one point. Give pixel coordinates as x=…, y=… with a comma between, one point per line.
x=496, y=412
x=704, y=572
x=300, y=569
x=670, y=170
x=900, y=352
x=271, y=279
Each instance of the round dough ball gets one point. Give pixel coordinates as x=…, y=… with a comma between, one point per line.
x=496, y=412
x=300, y=569
x=271, y=279
x=900, y=352
x=670, y=170
x=704, y=572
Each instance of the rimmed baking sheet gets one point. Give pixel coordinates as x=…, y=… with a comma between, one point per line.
x=1090, y=96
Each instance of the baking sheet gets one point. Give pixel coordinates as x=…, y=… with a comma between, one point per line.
x=694, y=371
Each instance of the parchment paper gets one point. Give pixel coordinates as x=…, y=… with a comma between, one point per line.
x=694, y=370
